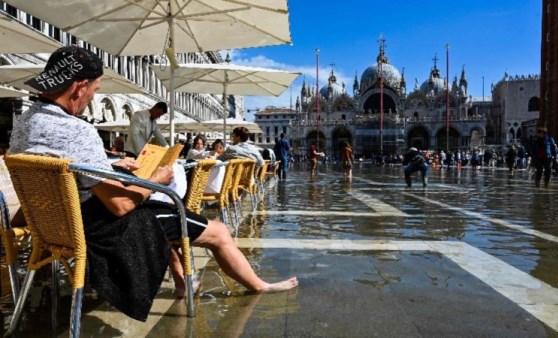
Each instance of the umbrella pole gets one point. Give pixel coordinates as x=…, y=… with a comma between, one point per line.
x=172, y=62
x=225, y=112
x=171, y=103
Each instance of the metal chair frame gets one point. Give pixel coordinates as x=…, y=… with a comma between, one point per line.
x=77, y=275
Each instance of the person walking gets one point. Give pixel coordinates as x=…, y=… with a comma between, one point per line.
x=347, y=159
x=511, y=158
x=544, y=153
x=283, y=147
x=143, y=126
x=314, y=154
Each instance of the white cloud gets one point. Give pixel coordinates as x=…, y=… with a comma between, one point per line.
x=284, y=100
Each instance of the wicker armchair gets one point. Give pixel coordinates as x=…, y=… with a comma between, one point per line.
x=48, y=193
x=262, y=175
x=233, y=196
x=222, y=197
x=11, y=239
x=247, y=181
x=274, y=168
x=197, y=183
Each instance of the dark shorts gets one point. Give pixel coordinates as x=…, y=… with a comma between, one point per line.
x=347, y=164
x=94, y=211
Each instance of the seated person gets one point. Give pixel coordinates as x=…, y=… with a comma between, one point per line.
x=218, y=147
x=217, y=175
x=198, y=151
x=414, y=161
x=127, y=235
x=241, y=148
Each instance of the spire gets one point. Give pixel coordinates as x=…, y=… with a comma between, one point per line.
x=403, y=83
x=463, y=81
x=332, y=78
x=454, y=86
x=382, y=55
x=435, y=72
x=355, y=85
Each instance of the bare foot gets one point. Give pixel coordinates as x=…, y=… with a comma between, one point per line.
x=285, y=285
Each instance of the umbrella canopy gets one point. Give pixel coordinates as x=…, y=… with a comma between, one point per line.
x=213, y=126
x=234, y=79
x=147, y=27
x=9, y=92
x=18, y=38
x=226, y=79
x=143, y=27
x=112, y=82
x=186, y=126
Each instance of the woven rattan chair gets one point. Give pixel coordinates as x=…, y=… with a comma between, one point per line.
x=222, y=197
x=262, y=175
x=274, y=168
x=197, y=183
x=12, y=239
x=247, y=181
x=233, y=196
x=48, y=193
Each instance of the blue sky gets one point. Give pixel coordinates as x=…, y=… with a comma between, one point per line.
x=488, y=37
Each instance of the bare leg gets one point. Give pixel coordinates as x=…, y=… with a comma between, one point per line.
x=217, y=238
x=177, y=272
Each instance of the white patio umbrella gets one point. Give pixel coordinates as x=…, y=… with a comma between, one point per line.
x=112, y=82
x=148, y=27
x=212, y=126
x=225, y=79
x=17, y=38
x=10, y=92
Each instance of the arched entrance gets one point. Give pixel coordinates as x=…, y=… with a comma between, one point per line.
x=453, y=138
x=108, y=112
x=372, y=104
x=338, y=135
x=419, y=138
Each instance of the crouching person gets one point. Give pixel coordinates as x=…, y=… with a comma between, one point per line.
x=414, y=161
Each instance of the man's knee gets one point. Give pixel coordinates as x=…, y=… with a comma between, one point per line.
x=215, y=235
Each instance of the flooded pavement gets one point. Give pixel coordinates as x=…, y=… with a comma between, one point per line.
x=473, y=254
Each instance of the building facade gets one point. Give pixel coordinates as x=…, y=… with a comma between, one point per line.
x=380, y=116
x=549, y=67
x=118, y=107
x=273, y=121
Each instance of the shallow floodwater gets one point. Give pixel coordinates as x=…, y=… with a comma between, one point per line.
x=475, y=253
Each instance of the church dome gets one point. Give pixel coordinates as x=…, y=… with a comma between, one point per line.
x=435, y=85
x=332, y=90
x=392, y=77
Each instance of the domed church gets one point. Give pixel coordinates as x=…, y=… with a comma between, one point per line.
x=414, y=119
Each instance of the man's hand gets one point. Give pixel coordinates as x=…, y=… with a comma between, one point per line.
x=162, y=175
x=127, y=163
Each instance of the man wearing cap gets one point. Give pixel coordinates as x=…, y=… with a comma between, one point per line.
x=127, y=235
x=414, y=161
x=143, y=126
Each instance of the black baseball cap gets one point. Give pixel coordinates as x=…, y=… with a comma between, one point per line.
x=66, y=65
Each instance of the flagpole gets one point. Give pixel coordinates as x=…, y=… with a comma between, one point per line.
x=447, y=98
x=317, y=99
x=381, y=108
